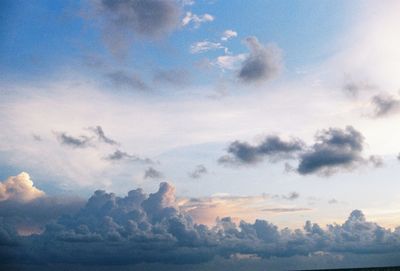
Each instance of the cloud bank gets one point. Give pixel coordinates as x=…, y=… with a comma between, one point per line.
x=140, y=228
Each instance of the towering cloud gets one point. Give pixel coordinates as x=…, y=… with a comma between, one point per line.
x=19, y=188
x=138, y=228
x=262, y=64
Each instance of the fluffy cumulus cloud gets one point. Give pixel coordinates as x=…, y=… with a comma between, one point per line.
x=262, y=64
x=124, y=20
x=140, y=228
x=334, y=149
x=19, y=188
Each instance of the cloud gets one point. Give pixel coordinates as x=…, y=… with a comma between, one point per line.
x=74, y=142
x=123, y=21
x=196, y=20
x=122, y=79
x=262, y=64
x=205, y=46
x=19, y=188
x=355, y=87
x=198, y=172
x=291, y=196
x=172, y=77
x=385, y=105
x=334, y=149
x=230, y=62
x=119, y=155
x=152, y=173
x=228, y=34
x=272, y=147
x=138, y=228
x=98, y=130
x=285, y=210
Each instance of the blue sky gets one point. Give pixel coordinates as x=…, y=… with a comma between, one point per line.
x=278, y=110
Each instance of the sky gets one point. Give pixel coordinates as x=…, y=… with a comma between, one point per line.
x=232, y=121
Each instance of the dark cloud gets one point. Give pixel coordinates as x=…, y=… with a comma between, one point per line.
x=138, y=228
x=124, y=21
x=385, y=105
x=262, y=64
x=272, y=147
x=123, y=79
x=81, y=141
x=152, y=173
x=291, y=196
x=119, y=155
x=334, y=149
x=98, y=130
x=172, y=77
x=198, y=172
x=353, y=88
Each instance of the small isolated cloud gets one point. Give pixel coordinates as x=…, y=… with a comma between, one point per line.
x=198, y=172
x=119, y=155
x=272, y=147
x=385, y=105
x=124, y=21
x=172, y=77
x=205, y=46
x=123, y=79
x=334, y=149
x=262, y=64
x=353, y=88
x=228, y=34
x=81, y=141
x=152, y=173
x=98, y=131
x=291, y=196
x=196, y=20
x=19, y=188
x=230, y=62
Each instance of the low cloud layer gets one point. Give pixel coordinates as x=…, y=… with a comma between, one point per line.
x=140, y=228
x=262, y=64
x=334, y=149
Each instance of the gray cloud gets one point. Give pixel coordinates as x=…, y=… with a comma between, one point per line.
x=272, y=147
x=151, y=229
x=123, y=21
x=262, y=64
x=152, y=173
x=122, y=79
x=81, y=141
x=198, y=172
x=172, y=77
x=385, y=105
x=119, y=155
x=98, y=130
x=353, y=88
x=292, y=196
x=334, y=149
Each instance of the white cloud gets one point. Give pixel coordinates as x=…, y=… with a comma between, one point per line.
x=204, y=46
x=19, y=188
x=228, y=34
x=197, y=20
